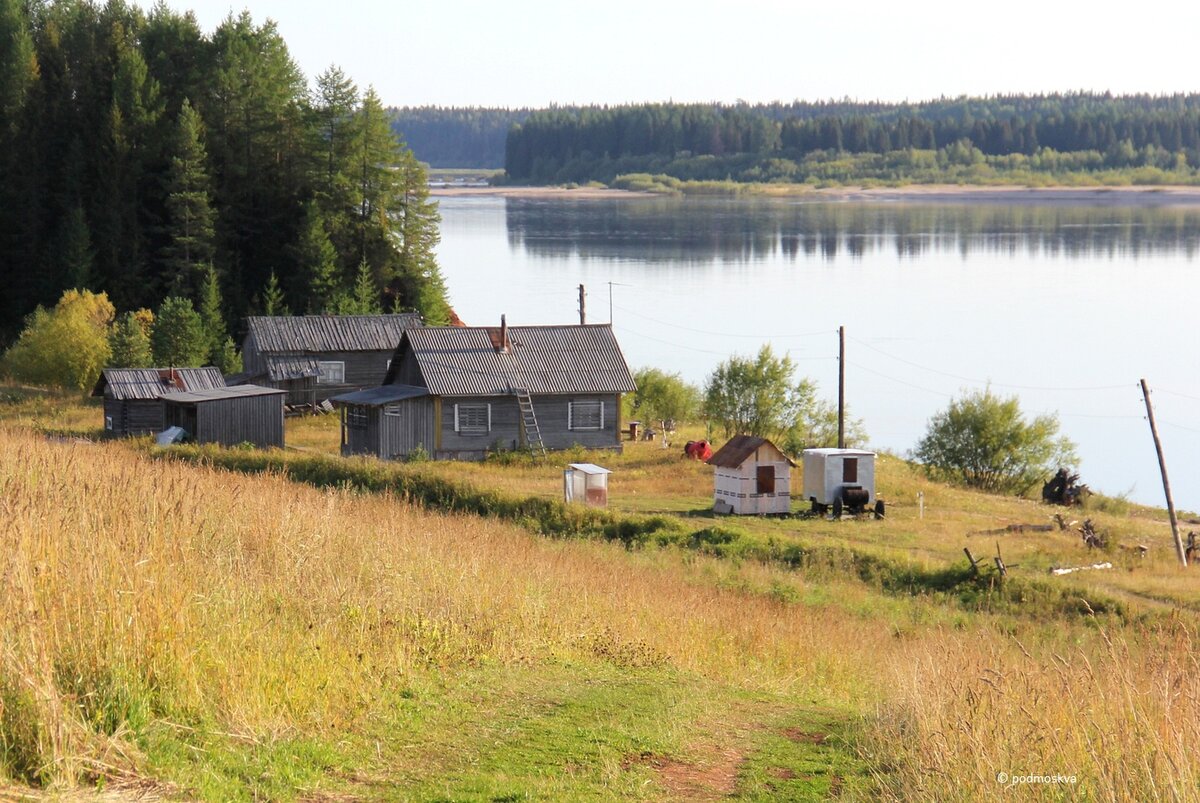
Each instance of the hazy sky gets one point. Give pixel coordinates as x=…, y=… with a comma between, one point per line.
x=537, y=52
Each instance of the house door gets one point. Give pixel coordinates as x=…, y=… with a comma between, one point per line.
x=850, y=469
x=766, y=479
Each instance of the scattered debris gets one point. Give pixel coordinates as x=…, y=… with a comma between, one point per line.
x=1192, y=547
x=1065, y=489
x=1140, y=549
x=1093, y=539
x=1016, y=528
x=1095, y=566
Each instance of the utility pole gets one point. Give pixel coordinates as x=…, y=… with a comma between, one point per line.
x=841, y=387
x=582, y=306
x=1162, y=465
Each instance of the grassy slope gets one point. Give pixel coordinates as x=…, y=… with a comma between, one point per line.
x=332, y=643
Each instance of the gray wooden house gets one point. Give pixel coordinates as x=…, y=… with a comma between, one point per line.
x=228, y=416
x=314, y=357
x=133, y=396
x=460, y=392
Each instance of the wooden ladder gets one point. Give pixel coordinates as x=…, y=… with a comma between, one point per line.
x=533, y=433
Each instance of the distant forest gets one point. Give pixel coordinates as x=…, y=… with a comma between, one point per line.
x=1076, y=138
x=456, y=137
x=143, y=159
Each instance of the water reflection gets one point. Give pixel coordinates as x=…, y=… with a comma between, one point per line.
x=702, y=231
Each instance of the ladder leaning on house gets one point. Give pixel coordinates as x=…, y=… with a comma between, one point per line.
x=533, y=433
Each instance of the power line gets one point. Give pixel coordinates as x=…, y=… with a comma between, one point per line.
x=985, y=382
x=720, y=334
x=635, y=333
x=1177, y=393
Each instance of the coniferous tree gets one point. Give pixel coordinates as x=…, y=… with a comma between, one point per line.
x=272, y=302
x=211, y=317
x=75, y=255
x=190, y=217
x=364, y=297
x=130, y=344
x=420, y=283
x=228, y=359
x=318, y=262
x=178, y=339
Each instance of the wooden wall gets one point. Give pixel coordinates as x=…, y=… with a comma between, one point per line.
x=253, y=419
x=134, y=417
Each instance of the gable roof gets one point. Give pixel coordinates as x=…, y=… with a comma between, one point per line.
x=124, y=384
x=318, y=333
x=466, y=360
x=739, y=449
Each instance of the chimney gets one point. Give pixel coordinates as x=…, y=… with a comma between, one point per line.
x=504, y=345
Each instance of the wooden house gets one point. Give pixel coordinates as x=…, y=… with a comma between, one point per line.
x=751, y=476
x=228, y=416
x=460, y=392
x=133, y=396
x=314, y=357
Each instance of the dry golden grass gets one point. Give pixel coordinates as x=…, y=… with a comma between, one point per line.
x=140, y=590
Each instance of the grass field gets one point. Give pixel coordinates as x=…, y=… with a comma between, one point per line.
x=285, y=631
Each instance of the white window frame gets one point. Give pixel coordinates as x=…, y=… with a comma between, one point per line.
x=108, y=423
x=572, y=424
x=460, y=411
x=393, y=410
x=326, y=367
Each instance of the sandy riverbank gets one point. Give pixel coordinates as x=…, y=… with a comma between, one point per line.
x=917, y=193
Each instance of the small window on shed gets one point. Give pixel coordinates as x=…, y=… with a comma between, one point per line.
x=850, y=469
x=472, y=419
x=331, y=373
x=356, y=418
x=391, y=409
x=585, y=415
x=108, y=424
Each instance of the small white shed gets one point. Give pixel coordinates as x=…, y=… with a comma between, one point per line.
x=839, y=478
x=587, y=483
x=751, y=476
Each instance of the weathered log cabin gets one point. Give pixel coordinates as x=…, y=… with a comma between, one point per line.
x=228, y=416
x=133, y=396
x=458, y=393
x=314, y=357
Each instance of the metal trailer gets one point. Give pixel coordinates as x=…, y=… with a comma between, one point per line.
x=841, y=479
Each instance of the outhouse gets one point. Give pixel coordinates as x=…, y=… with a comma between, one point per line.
x=228, y=416
x=839, y=479
x=751, y=476
x=587, y=483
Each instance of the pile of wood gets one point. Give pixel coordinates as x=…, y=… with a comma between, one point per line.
x=1065, y=489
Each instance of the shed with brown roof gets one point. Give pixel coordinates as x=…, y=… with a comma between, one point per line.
x=751, y=476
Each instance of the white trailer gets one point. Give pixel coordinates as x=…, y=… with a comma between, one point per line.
x=840, y=479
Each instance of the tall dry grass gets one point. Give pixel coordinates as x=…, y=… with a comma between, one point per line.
x=1078, y=716
x=141, y=591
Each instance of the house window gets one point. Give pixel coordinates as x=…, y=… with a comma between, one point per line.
x=850, y=469
x=472, y=419
x=356, y=418
x=391, y=409
x=331, y=373
x=585, y=415
x=108, y=423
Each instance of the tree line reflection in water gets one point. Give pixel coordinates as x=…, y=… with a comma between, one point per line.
x=703, y=230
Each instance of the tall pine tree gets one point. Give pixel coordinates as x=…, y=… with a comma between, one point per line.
x=189, y=251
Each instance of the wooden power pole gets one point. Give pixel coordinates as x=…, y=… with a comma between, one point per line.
x=582, y=306
x=1162, y=466
x=841, y=387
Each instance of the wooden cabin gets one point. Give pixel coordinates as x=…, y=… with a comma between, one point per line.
x=228, y=416
x=314, y=357
x=133, y=396
x=461, y=392
x=751, y=476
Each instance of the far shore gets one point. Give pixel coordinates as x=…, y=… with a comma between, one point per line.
x=914, y=193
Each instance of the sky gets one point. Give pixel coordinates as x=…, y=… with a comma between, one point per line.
x=540, y=52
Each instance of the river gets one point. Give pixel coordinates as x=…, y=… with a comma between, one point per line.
x=1065, y=306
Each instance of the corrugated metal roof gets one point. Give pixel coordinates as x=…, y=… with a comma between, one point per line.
x=281, y=368
x=377, y=397
x=462, y=361
x=739, y=448
x=236, y=392
x=320, y=333
x=124, y=384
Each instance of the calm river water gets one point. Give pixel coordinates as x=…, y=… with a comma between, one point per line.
x=1064, y=306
